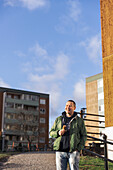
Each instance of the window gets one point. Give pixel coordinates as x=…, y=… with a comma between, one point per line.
x=30, y=108
x=21, y=138
x=42, y=140
x=10, y=105
x=29, y=128
x=99, y=108
x=42, y=120
x=14, y=138
x=26, y=97
x=35, y=128
x=25, y=107
x=5, y=115
x=42, y=111
x=37, y=108
x=9, y=95
x=18, y=106
x=101, y=96
x=8, y=127
x=9, y=116
x=42, y=101
x=21, y=127
x=13, y=127
x=14, y=116
x=30, y=97
x=31, y=117
x=20, y=116
x=42, y=130
x=7, y=137
x=16, y=97
x=35, y=118
x=34, y=98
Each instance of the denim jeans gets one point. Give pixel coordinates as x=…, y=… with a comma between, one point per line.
x=63, y=157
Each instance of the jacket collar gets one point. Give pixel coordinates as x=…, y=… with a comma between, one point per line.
x=73, y=116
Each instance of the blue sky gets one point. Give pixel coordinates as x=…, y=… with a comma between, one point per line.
x=50, y=46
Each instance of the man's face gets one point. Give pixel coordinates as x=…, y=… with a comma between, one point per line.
x=69, y=108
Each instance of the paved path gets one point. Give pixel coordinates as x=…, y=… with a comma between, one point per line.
x=30, y=161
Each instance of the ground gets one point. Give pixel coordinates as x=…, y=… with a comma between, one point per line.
x=30, y=161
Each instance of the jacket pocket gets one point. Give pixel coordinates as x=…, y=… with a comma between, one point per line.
x=56, y=145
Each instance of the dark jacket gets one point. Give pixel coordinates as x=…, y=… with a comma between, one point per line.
x=77, y=133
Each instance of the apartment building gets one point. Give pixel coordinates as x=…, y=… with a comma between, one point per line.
x=24, y=117
x=95, y=105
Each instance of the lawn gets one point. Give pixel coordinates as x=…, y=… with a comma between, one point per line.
x=7, y=154
x=93, y=163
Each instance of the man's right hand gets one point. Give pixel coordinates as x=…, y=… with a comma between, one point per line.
x=62, y=131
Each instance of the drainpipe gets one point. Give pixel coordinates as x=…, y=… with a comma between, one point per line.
x=3, y=133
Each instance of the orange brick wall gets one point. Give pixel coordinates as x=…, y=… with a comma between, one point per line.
x=46, y=125
x=106, y=7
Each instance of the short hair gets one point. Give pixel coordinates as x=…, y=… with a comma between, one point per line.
x=72, y=102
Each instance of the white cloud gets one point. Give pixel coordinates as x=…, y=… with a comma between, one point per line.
x=38, y=50
x=11, y=3
x=33, y=4
x=70, y=17
x=93, y=49
x=19, y=53
x=38, y=60
x=59, y=71
x=3, y=84
x=79, y=91
x=42, y=69
x=30, y=4
x=27, y=67
x=61, y=66
x=47, y=82
x=74, y=9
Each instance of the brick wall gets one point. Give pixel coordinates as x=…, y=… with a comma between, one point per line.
x=106, y=7
x=45, y=125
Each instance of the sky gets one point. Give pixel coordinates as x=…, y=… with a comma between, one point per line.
x=50, y=46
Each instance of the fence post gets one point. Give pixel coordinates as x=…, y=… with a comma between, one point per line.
x=105, y=152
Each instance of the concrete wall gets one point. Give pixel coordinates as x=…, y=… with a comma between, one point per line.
x=109, y=132
x=1, y=101
x=92, y=107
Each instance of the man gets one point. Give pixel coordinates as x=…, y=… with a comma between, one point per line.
x=70, y=133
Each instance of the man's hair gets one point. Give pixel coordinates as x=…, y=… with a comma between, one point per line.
x=72, y=102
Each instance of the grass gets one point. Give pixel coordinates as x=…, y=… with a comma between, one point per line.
x=4, y=155
x=93, y=163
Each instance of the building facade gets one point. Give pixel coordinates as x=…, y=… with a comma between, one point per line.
x=24, y=118
x=95, y=105
x=106, y=9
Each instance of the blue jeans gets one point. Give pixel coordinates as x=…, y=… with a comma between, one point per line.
x=63, y=157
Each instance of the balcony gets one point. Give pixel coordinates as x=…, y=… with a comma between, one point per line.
x=25, y=102
x=21, y=122
x=18, y=111
x=14, y=132
x=12, y=121
x=20, y=132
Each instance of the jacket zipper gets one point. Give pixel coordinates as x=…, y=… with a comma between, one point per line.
x=70, y=127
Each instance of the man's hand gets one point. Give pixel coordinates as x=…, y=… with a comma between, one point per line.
x=62, y=131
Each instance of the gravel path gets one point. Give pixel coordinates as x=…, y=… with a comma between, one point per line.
x=30, y=161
